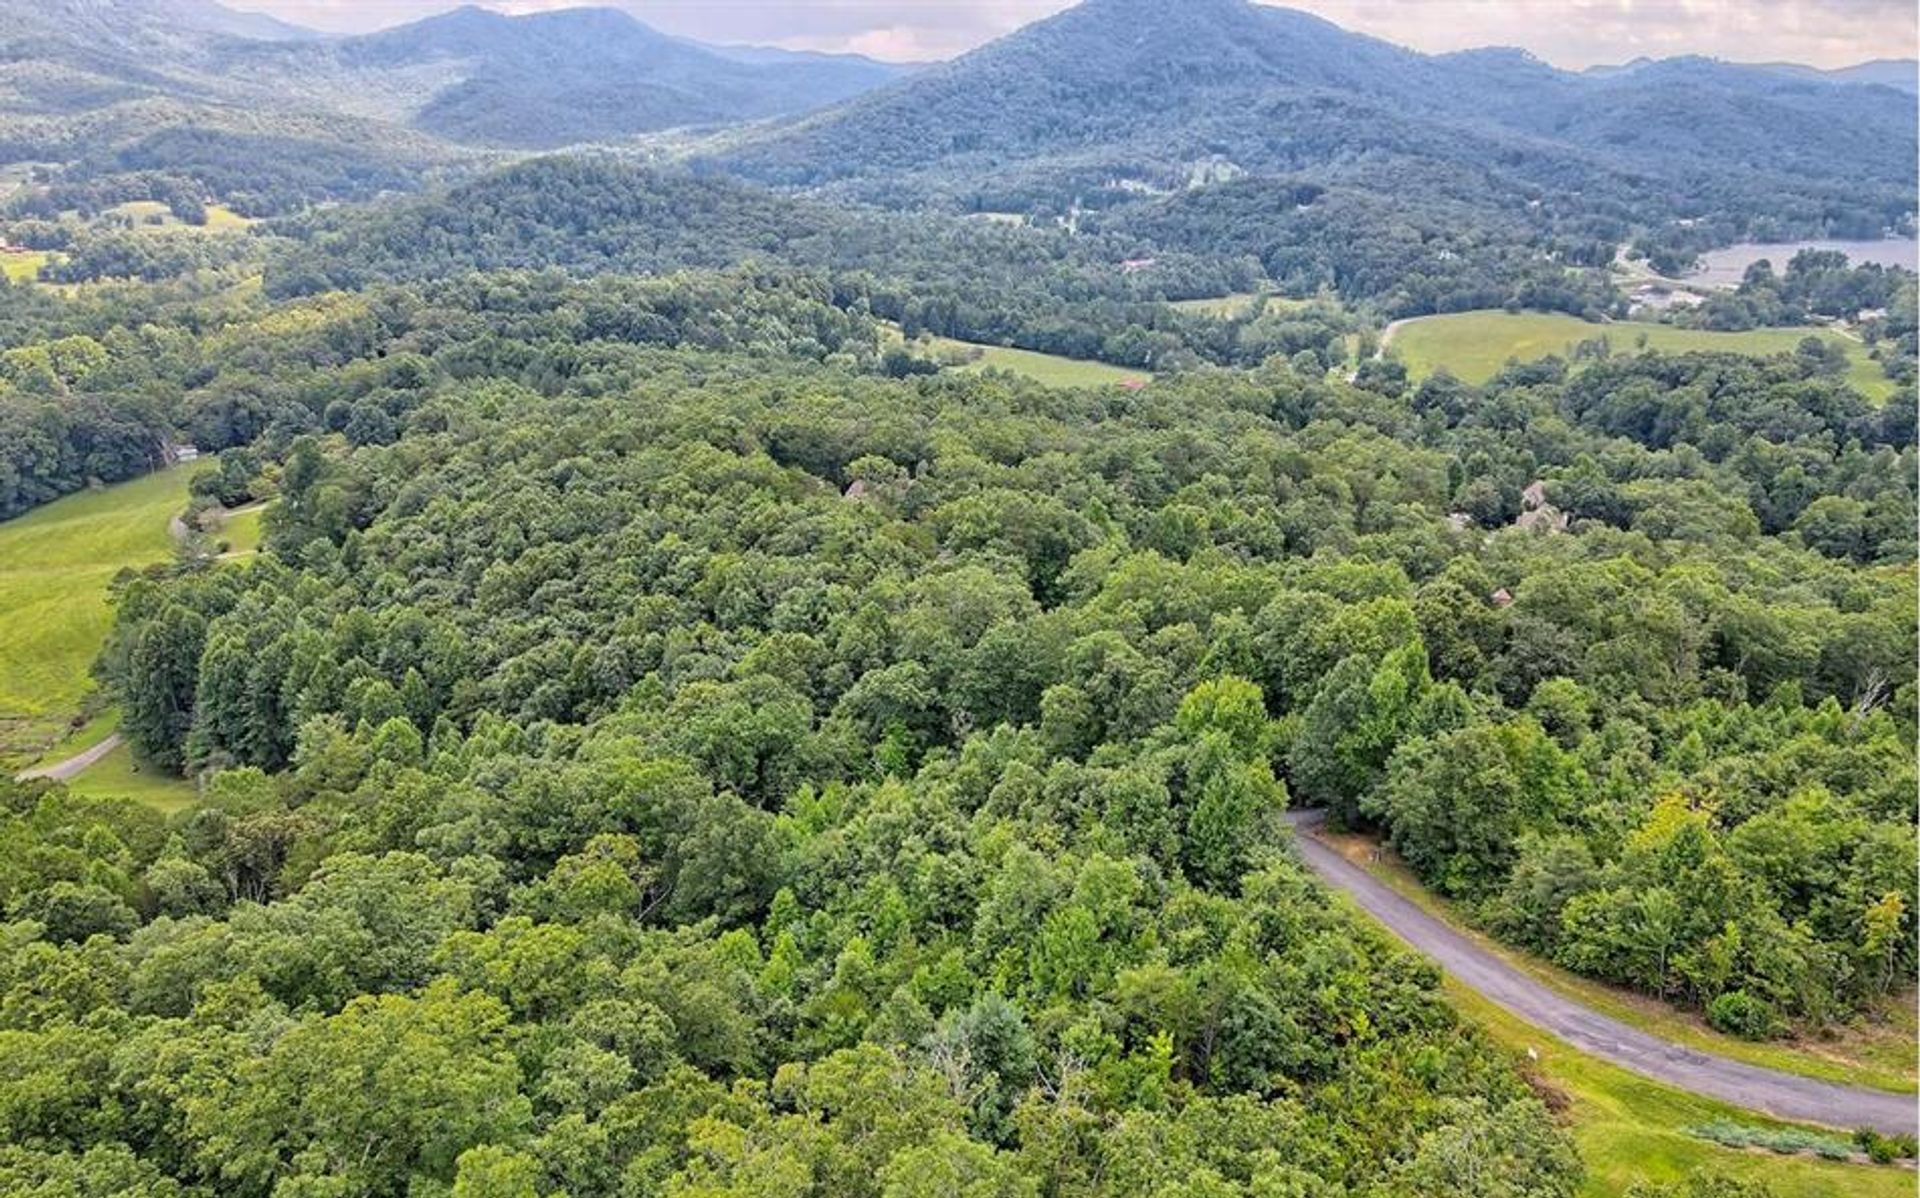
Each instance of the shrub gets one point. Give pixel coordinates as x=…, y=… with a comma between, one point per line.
x=1741, y=1014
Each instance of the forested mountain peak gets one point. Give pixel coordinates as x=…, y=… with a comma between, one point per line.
x=1204, y=44
x=470, y=76
x=1152, y=109
x=472, y=30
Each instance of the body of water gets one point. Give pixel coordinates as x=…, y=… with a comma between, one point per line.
x=1725, y=268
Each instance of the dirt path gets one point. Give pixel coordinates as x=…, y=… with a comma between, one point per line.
x=1782, y=1095
x=65, y=771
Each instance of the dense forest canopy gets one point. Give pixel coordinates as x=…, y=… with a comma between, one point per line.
x=832, y=729
x=692, y=729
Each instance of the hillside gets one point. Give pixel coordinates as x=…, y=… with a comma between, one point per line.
x=1116, y=102
x=586, y=74
x=252, y=110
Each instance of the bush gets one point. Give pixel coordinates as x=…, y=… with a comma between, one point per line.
x=1741, y=1014
x=1883, y=1150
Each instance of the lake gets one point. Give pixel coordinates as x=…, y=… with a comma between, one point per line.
x=1725, y=268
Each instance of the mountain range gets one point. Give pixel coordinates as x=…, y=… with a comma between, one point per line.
x=102, y=71
x=1157, y=96
x=1901, y=73
x=1203, y=124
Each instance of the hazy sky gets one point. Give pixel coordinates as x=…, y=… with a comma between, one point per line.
x=1570, y=33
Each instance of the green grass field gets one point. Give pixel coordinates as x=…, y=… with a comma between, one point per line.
x=55, y=564
x=21, y=267
x=1225, y=307
x=1047, y=369
x=1630, y=1129
x=1880, y=1053
x=122, y=775
x=1475, y=345
x=241, y=531
x=152, y=214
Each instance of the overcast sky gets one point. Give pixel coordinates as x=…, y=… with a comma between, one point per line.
x=1570, y=33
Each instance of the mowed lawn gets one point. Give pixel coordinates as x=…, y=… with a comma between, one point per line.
x=1474, y=346
x=121, y=774
x=55, y=564
x=241, y=530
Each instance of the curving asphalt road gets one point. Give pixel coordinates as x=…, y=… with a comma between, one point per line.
x=63, y=771
x=1781, y=1095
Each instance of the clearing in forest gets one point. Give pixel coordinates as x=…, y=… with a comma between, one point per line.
x=55, y=566
x=1474, y=346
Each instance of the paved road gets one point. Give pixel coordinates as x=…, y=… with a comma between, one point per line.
x=1782, y=1095
x=65, y=771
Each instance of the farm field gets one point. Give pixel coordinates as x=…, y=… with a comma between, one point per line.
x=1474, y=346
x=55, y=565
x=1881, y=1055
x=1225, y=307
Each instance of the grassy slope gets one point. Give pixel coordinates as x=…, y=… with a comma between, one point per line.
x=1881, y=1055
x=1048, y=369
x=1475, y=345
x=154, y=216
x=241, y=530
x=19, y=267
x=1630, y=1129
x=1225, y=307
x=122, y=775
x=55, y=564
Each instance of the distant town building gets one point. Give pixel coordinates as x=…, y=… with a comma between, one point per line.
x=1655, y=298
x=183, y=453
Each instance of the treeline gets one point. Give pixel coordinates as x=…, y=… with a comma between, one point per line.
x=1037, y=289
x=1823, y=284
x=259, y=172
x=1405, y=239
x=97, y=384
x=59, y=431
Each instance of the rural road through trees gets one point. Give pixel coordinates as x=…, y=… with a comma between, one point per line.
x=1782, y=1095
x=65, y=771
